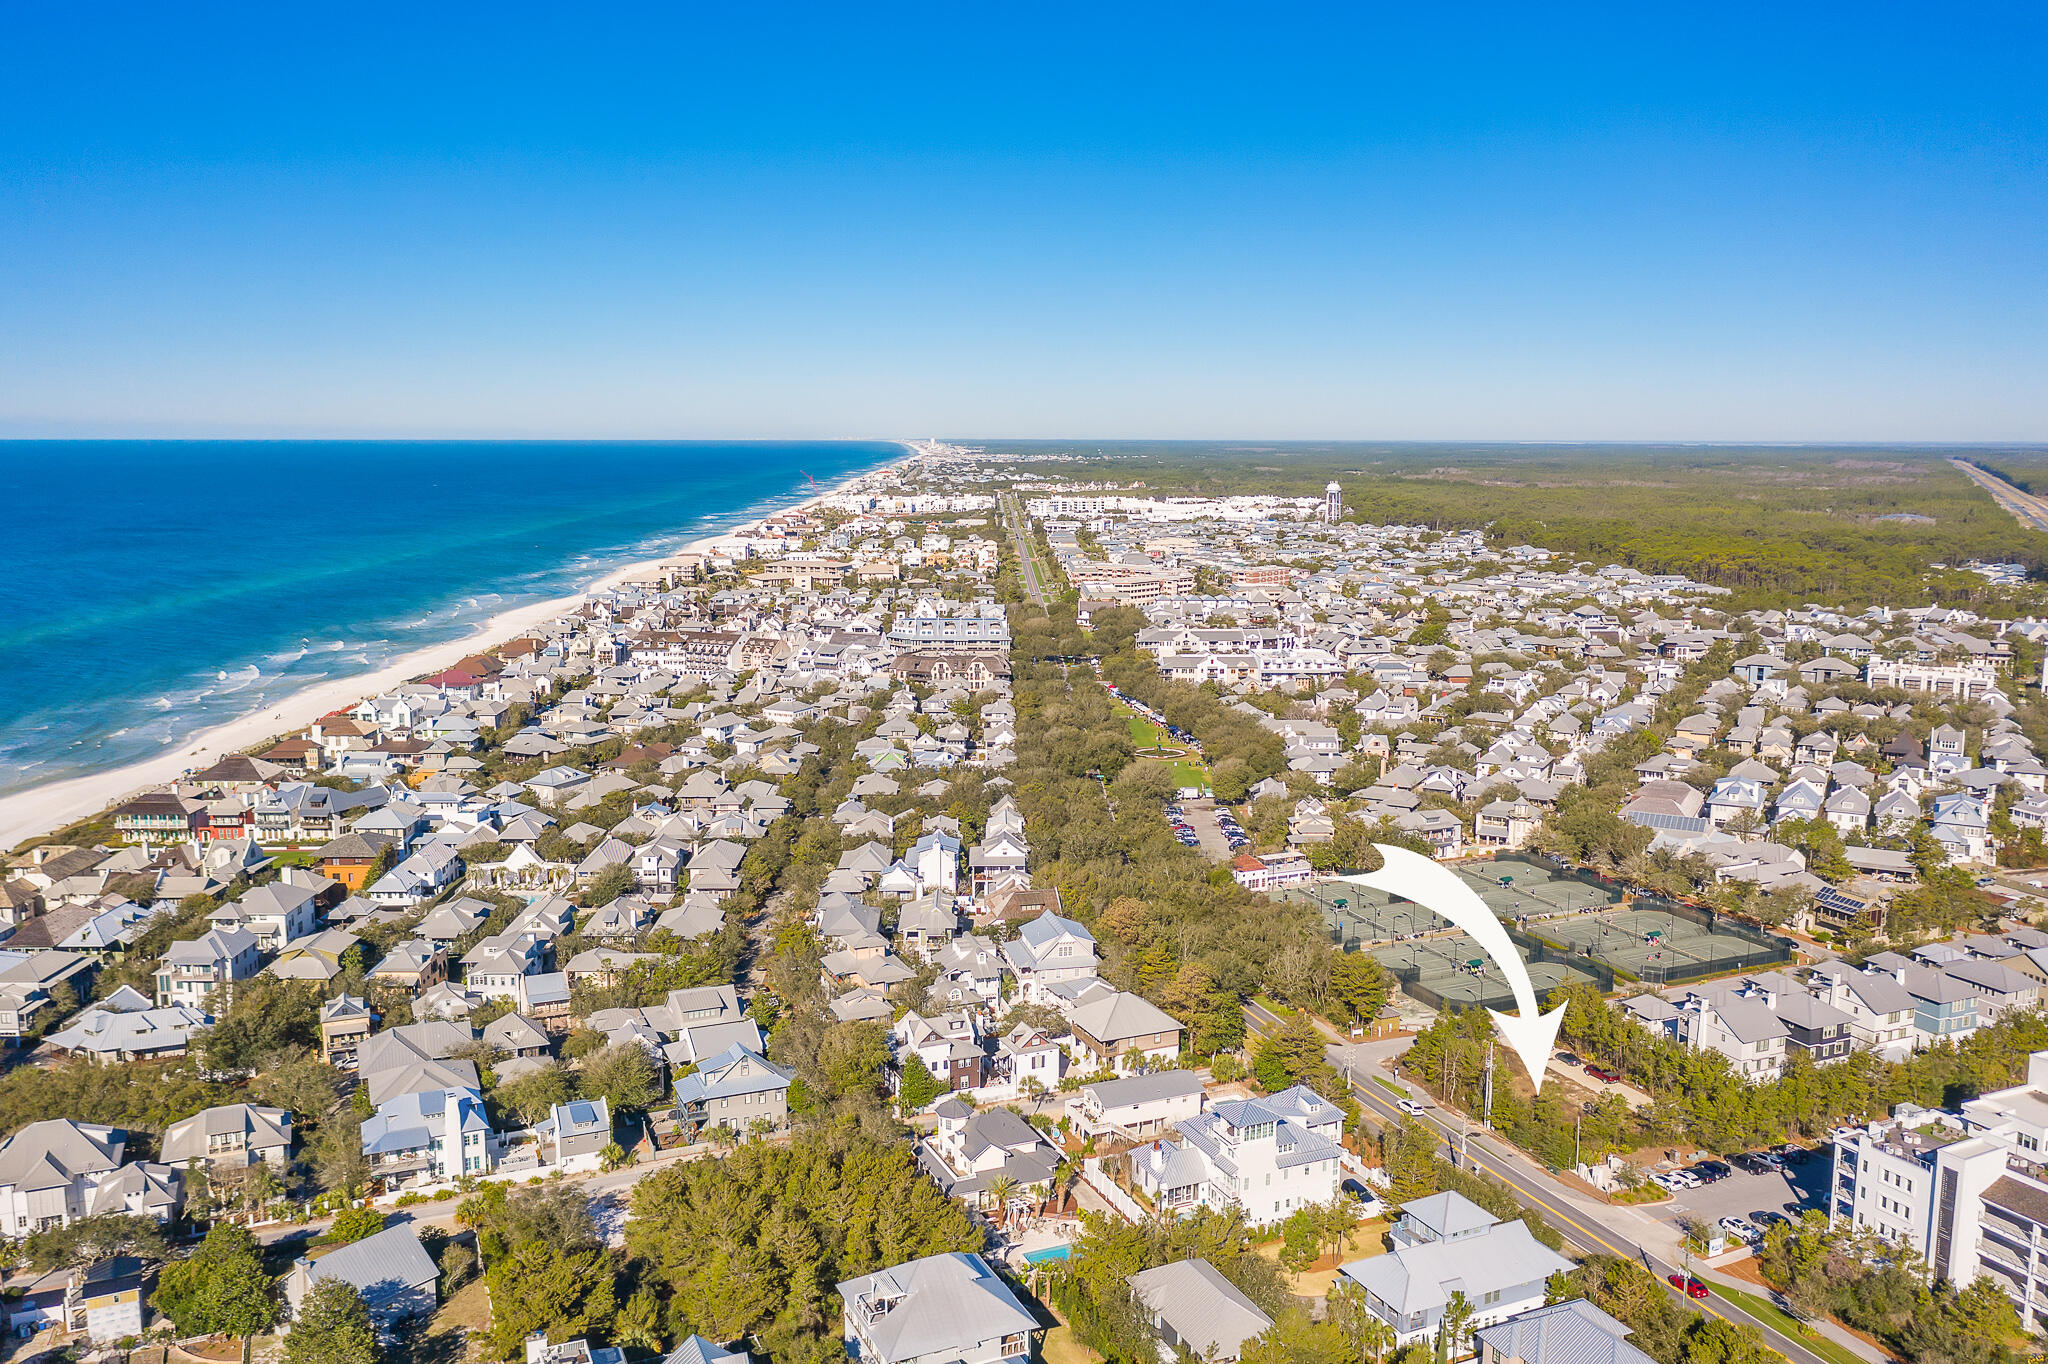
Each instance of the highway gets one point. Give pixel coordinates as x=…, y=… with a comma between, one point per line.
x=1035, y=577
x=2031, y=511
x=1536, y=1189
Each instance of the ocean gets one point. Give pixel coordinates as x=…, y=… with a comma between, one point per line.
x=156, y=588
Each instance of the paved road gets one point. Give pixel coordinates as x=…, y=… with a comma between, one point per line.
x=1035, y=576
x=1608, y=1232
x=2031, y=511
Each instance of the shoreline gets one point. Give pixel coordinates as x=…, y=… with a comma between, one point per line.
x=39, y=810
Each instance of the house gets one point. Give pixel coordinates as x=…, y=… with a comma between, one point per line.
x=105, y=1301
x=123, y=1027
x=349, y=859
x=575, y=1134
x=273, y=914
x=391, y=1270
x=1115, y=1027
x=697, y=1350
x=1267, y=1156
x=1191, y=1307
x=1447, y=1244
x=158, y=817
x=418, y=878
x=970, y=1151
x=943, y=1309
x=1136, y=1106
x=415, y=965
x=230, y=1137
x=192, y=970
x=737, y=1088
x=316, y=957
x=345, y=1022
x=1505, y=824
x=1570, y=1332
x=56, y=1171
x=430, y=1136
x=1049, y=950
x=948, y=1044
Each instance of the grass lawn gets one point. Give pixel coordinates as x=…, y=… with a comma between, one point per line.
x=1764, y=1310
x=1144, y=733
x=1391, y=1085
x=1366, y=1239
x=1060, y=1347
x=1186, y=773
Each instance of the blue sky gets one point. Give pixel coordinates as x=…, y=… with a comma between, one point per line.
x=1571, y=222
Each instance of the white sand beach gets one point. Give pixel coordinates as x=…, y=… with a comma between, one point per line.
x=42, y=809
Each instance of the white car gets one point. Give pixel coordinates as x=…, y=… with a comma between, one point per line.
x=1741, y=1228
x=1410, y=1107
x=1665, y=1182
x=1684, y=1179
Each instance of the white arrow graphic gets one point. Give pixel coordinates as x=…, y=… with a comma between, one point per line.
x=1438, y=889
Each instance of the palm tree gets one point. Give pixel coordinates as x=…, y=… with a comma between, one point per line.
x=1377, y=1337
x=1001, y=1190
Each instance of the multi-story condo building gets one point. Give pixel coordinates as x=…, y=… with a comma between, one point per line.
x=1967, y=1191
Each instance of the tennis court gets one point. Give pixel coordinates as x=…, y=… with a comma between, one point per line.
x=1655, y=944
x=1453, y=971
x=1532, y=891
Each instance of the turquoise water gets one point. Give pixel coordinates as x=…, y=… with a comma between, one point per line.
x=155, y=588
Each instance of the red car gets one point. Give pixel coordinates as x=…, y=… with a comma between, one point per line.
x=1603, y=1073
x=1692, y=1288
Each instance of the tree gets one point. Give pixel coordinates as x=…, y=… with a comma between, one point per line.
x=354, y=1224
x=1302, y=1240
x=1455, y=1327
x=623, y=1075
x=539, y=1285
x=92, y=1239
x=918, y=1086
x=1001, y=1190
x=339, y=1161
x=639, y=1323
x=532, y=1096
x=333, y=1326
x=221, y=1289
x=608, y=885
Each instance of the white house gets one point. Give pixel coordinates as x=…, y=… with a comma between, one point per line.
x=1443, y=1244
x=1268, y=1156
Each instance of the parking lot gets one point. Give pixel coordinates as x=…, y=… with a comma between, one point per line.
x=1196, y=824
x=1787, y=1193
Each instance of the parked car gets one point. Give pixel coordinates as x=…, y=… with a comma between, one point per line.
x=1569, y=1059
x=1691, y=1287
x=1686, y=1179
x=1770, y=1160
x=1741, y=1228
x=1410, y=1107
x=1603, y=1074
x=1714, y=1169
x=1664, y=1182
